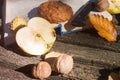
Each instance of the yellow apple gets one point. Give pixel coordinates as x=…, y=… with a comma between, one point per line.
x=38, y=38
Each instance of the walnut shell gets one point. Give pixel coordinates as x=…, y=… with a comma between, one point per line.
x=55, y=11
x=102, y=5
x=64, y=64
x=42, y=70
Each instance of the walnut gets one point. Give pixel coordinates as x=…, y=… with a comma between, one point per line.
x=42, y=70
x=61, y=63
x=102, y=5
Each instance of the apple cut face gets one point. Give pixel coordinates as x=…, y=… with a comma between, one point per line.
x=36, y=39
x=45, y=28
x=30, y=41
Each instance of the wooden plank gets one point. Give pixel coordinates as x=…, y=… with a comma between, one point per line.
x=90, y=38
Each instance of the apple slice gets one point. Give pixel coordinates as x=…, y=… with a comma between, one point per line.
x=30, y=41
x=46, y=30
x=17, y=23
x=38, y=38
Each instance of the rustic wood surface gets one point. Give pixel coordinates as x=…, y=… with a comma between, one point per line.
x=93, y=56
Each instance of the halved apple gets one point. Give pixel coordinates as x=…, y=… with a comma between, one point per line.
x=38, y=38
x=46, y=30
